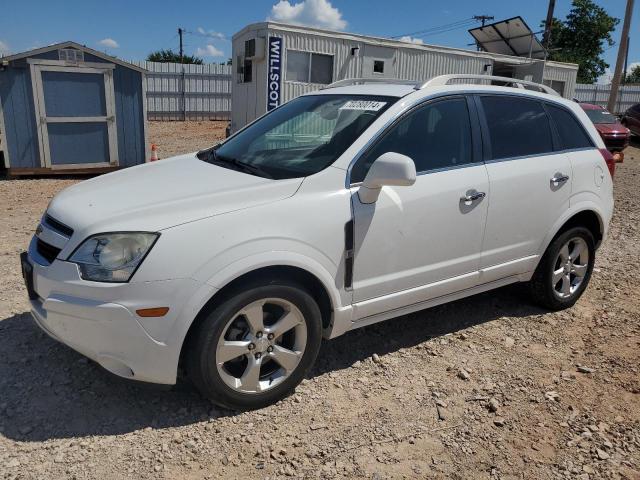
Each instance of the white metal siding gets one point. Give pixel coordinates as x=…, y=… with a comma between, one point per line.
x=207, y=91
x=563, y=74
x=628, y=95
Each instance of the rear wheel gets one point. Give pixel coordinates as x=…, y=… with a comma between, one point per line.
x=564, y=270
x=256, y=346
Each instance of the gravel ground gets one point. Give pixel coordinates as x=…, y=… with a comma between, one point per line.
x=486, y=387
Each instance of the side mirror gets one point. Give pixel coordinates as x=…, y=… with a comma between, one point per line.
x=388, y=169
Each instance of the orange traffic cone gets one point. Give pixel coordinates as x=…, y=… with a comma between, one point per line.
x=154, y=153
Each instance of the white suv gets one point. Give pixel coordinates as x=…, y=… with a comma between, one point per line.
x=344, y=207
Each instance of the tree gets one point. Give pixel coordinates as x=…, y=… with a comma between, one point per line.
x=169, y=56
x=581, y=38
x=633, y=76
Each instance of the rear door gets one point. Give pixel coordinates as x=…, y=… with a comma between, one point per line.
x=530, y=183
x=76, y=110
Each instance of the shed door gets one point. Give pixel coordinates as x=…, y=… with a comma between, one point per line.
x=76, y=116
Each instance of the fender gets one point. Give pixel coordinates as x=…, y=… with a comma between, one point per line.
x=279, y=258
x=582, y=206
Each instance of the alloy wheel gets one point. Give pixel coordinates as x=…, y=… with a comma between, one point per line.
x=570, y=267
x=261, y=345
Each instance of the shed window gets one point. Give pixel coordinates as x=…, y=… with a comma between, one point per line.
x=309, y=67
x=248, y=71
x=557, y=85
x=378, y=66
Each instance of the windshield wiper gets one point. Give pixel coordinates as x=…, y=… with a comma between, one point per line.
x=243, y=167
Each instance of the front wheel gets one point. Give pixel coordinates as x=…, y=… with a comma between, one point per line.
x=564, y=270
x=255, y=347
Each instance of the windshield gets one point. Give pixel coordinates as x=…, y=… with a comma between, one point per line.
x=301, y=137
x=601, y=116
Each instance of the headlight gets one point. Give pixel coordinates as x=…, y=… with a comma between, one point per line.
x=112, y=257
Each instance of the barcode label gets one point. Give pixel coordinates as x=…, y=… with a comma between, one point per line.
x=363, y=105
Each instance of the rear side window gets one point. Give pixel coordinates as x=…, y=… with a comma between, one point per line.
x=434, y=136
x=517, y=126
x=572, y=135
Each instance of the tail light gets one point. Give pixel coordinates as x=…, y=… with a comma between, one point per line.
x=608, y=158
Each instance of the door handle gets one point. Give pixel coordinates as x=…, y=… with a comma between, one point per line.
x=472, y=197
x=558, y=179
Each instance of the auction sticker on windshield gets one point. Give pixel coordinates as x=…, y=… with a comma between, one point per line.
x=363, y=105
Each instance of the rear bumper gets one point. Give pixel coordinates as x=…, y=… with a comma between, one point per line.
x=99, y=320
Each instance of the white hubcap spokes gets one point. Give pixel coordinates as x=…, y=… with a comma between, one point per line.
x=261, y=345
x=570, y=267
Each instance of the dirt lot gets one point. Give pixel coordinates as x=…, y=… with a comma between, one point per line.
x=487, y=387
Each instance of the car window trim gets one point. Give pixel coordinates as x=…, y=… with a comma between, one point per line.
x=476, y=153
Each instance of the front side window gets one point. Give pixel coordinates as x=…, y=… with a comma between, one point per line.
x=517, y=126
x=309, y=67
x=302, y=136
x=434, y=136
x=572, y=135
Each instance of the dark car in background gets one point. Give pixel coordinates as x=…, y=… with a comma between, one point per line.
x=631, y=119
x=615, y=134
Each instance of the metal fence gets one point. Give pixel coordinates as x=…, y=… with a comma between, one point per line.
x=599, y=94
x=187, y=92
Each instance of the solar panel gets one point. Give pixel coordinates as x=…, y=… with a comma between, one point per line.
x=509, y=37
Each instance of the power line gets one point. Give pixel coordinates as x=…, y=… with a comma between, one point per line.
x=426, y=31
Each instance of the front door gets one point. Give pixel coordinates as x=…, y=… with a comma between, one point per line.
x=77, y=123
x=422, y=241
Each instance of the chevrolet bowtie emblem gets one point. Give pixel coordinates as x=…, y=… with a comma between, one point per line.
x=39, y=229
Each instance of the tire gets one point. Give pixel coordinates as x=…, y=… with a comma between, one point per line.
x=555, y=295
x=233, y=383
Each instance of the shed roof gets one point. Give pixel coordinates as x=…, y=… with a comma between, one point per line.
x=77, y=46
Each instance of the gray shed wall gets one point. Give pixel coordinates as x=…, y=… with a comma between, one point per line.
x=20, y=114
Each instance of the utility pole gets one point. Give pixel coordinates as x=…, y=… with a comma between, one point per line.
x=483, y=19
x=626, y=62
x=184, y=97
x=546, y=37
x=622, y=49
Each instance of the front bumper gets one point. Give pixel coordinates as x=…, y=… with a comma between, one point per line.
x=99, y=320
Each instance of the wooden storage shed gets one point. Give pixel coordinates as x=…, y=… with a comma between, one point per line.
x=67, y=108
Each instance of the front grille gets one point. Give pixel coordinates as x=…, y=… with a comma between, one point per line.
x=48, y=252
x=58, y=226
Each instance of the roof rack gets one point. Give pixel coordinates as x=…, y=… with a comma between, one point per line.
x=445, y=79
x=508, y=81
x=361, y=81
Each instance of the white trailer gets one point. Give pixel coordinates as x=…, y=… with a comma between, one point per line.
x=274, y=62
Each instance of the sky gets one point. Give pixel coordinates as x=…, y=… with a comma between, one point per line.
x=132, y=29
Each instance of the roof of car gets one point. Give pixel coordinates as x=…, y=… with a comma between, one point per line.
x=403, y=89
x=381, y=89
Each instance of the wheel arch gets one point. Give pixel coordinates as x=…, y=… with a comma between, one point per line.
x=326, y=298
x=588, y=216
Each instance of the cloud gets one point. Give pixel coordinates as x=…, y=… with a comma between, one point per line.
x=4, y=48
x=211, y=33
x=109, y=43
x=209, y=51
x=407, y=38
x=313, y=13
x=630, y=67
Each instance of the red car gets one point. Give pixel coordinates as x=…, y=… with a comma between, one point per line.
x=615, y=134
x=631, y=119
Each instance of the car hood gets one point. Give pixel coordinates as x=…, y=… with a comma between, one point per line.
x=162, y=194
x=611, y=128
